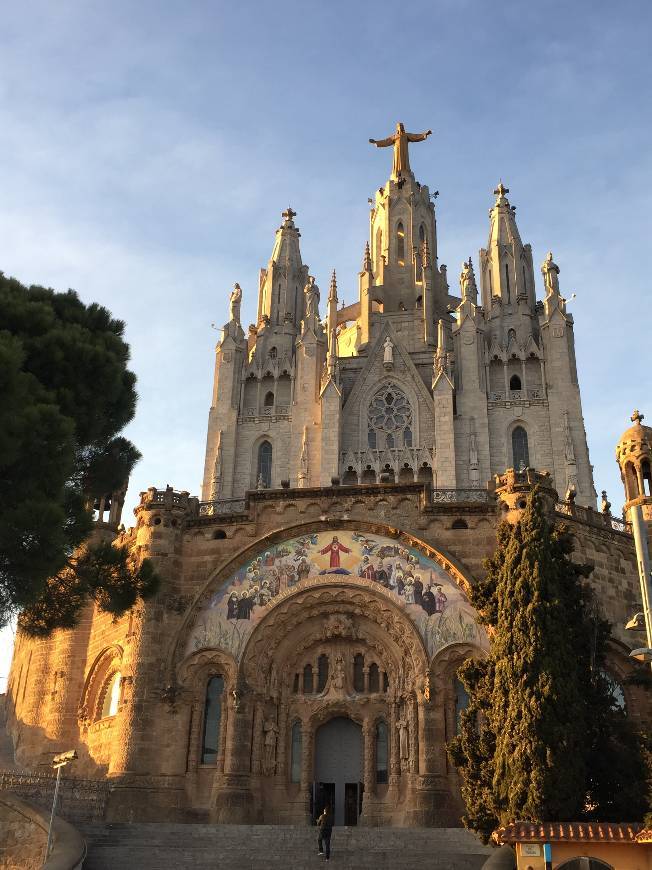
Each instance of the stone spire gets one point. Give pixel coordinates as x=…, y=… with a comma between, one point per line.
x=331, y=314
x=506, y=263
x=366, y=260
x=280, y=298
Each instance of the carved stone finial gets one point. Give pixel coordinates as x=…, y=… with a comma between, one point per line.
x=637, y=417
x=500, y=192
x=288, y=215
x=332, y=291
x=366, y=262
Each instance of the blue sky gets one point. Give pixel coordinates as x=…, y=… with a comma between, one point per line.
x=148, y=149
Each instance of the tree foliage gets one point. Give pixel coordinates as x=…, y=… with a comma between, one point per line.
x=66, y=395
x=542, y=738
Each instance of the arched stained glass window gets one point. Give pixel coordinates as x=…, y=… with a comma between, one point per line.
x=382, y=753
x=212, y=720
x=111, y=700
x=520, y=451
x=264, y=471
x=295, y=753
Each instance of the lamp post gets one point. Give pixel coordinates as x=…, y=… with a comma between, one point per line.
x=644, y=654
x=58, y=762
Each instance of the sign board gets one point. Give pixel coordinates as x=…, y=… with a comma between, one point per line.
x=531, y=850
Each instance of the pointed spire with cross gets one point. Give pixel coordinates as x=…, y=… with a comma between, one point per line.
x=288, y=215
x=500, y=192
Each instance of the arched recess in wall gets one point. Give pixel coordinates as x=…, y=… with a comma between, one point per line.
x=400, y=244
x=102, y=691
x=262, y=463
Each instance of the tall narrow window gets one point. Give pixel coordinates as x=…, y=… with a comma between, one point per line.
x=515, y=382
x=507, y=282
x=212, y=720
x=520, y=451
x=647, y=477
x=307, y=680
x=524, y=281
x=461, y=702
x=265, y=464
x=273, y=353
x=358, y=673
x=295, y=754
x=381, y=752
x=400, y=244
x=111, y=696
x=374, y=678
x=422, y=234
x=322, y=672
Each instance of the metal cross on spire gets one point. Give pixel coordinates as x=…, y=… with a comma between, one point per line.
x=288, y=214
x=637, y=416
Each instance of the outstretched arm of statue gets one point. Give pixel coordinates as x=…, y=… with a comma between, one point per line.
x=383, y=143
x=418, y=137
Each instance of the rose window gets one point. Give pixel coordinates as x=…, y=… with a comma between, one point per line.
x=389, y=419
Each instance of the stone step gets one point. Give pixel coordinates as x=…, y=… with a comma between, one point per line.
x=277, y=847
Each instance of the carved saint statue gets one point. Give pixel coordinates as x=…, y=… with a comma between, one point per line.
x=473, y=450
x=605, y=504
x=388, y=358
x=569, y=451
x=468, y=286
x=271, y=730
x=400, y=140
x=550, y=272
x=404, y=739
x=235, y=300
x=337, y=680
x=311, y=291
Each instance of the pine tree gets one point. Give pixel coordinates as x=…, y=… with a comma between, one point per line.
x=540, y=713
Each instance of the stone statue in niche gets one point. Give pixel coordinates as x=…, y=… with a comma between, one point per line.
x=404, y=739
x=337, y=680
x=235, y=301
x=388, y=357
x=270, y=729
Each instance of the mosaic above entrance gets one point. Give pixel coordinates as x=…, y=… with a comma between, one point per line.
x=431, y=598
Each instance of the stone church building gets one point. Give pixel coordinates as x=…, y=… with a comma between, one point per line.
x=314, y=607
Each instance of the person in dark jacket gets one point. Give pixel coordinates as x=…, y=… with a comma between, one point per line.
x=325, y=825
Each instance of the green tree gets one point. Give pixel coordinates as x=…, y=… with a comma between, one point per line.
x=542, y=738
x=66, y=395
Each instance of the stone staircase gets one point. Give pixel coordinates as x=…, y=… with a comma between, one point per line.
x=274, y=847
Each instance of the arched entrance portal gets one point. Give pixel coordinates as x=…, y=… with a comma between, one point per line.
x=338, y=769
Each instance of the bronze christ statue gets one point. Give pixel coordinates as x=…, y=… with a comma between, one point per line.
x=399, y=140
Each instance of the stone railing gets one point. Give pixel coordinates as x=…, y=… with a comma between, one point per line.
x=516, y=395
x=168, y=497
x=80, y=800
x=251, y=415
x=593, y=518
x=223, y=507
x=446, y=496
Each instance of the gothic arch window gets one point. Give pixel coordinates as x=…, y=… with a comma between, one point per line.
x=515, y=382
x=307, y=680
x=322, y=672
x=212, y=720
x=358, y=673
x=382, y=752
x=374, y=678
x=631, y=483
x=264, y=469
x=461, y=702
x=295, y=753
x=422, y=234
x=520, y=450
x=389, y=419
x=273, y=353
x=400, y=244
x=111, y=696
x=268, y=402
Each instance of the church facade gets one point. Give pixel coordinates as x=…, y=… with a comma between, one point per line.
x=314, y=608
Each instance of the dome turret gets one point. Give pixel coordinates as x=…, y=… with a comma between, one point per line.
x=634, y=456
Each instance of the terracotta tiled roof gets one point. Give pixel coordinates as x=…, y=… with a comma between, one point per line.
x=569, y=832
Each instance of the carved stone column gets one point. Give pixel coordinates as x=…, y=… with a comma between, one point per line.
x=283, y=739
x=307, y=774
x=369, y=757
x=394, y=742
x=232, y=795
x=258, y=738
